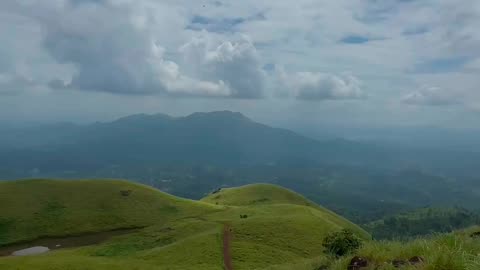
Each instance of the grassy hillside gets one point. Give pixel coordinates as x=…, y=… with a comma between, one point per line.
x=256, y=194
x=267, y=194
x=453, y=251
x=38, y=208
x=272, y=229
x=177, y=233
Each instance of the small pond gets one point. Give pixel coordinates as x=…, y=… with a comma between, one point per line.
x=43, y=245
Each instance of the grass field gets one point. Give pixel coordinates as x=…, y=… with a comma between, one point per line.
x=453, y=251
x=177, y=233
x=256, y=194
x=35, y=208
x=273, y=229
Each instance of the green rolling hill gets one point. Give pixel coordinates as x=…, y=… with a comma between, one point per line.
x=256, y=194
x=258, y=226
x=37, y=208
x=173, y=233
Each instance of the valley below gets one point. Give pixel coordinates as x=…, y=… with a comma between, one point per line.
x=216, y=191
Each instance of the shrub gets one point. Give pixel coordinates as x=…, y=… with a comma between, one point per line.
x=341, y=243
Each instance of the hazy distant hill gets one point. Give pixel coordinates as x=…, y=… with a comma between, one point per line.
x=133, y=145
x=195, y=154
x=218, y=138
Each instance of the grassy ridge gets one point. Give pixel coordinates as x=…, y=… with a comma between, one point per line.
x=273, y=229
x=256, y=194
x=178, y=233
x=39, y=208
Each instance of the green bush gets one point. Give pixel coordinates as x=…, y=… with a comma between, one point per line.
x=341, y=243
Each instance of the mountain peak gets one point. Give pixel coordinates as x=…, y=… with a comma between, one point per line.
x=143, y=116
x=224, y=115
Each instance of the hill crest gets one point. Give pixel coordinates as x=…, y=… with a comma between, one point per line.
x=254, y=194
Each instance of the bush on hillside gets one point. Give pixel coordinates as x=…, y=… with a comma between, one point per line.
x=341, y=243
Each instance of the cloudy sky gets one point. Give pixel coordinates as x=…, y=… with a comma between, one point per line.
x=346, y=62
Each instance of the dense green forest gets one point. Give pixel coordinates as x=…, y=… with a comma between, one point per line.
x=424, y=221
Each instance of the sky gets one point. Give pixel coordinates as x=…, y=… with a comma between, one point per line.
x=303, y=62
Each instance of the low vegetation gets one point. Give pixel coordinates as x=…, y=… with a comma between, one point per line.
x=341, y=243
x=452, y=251
x=256, y=194
x=284, y=228
x=45, y=208
x=272, y=229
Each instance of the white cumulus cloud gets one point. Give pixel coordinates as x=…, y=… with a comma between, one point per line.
x=322, y=86
x=430, y=96
x=235, y=64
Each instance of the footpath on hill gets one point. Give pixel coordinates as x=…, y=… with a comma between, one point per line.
x=227, y=239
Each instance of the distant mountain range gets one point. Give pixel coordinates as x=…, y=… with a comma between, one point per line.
x=221, y=138
x=193, y=155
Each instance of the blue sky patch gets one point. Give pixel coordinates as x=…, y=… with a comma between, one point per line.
x=416, y=31
x=380, y=10
x=221, y=25
x=355, y=39
x=441, y=65
x=79, y=2
x=269, y=67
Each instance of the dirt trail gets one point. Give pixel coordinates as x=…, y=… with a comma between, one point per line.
x=227, y=240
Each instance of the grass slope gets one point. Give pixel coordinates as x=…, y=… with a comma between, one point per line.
x=267, y=194
x=30, y=209
x=452, y=251
x=178, y=233
x=255, y=194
